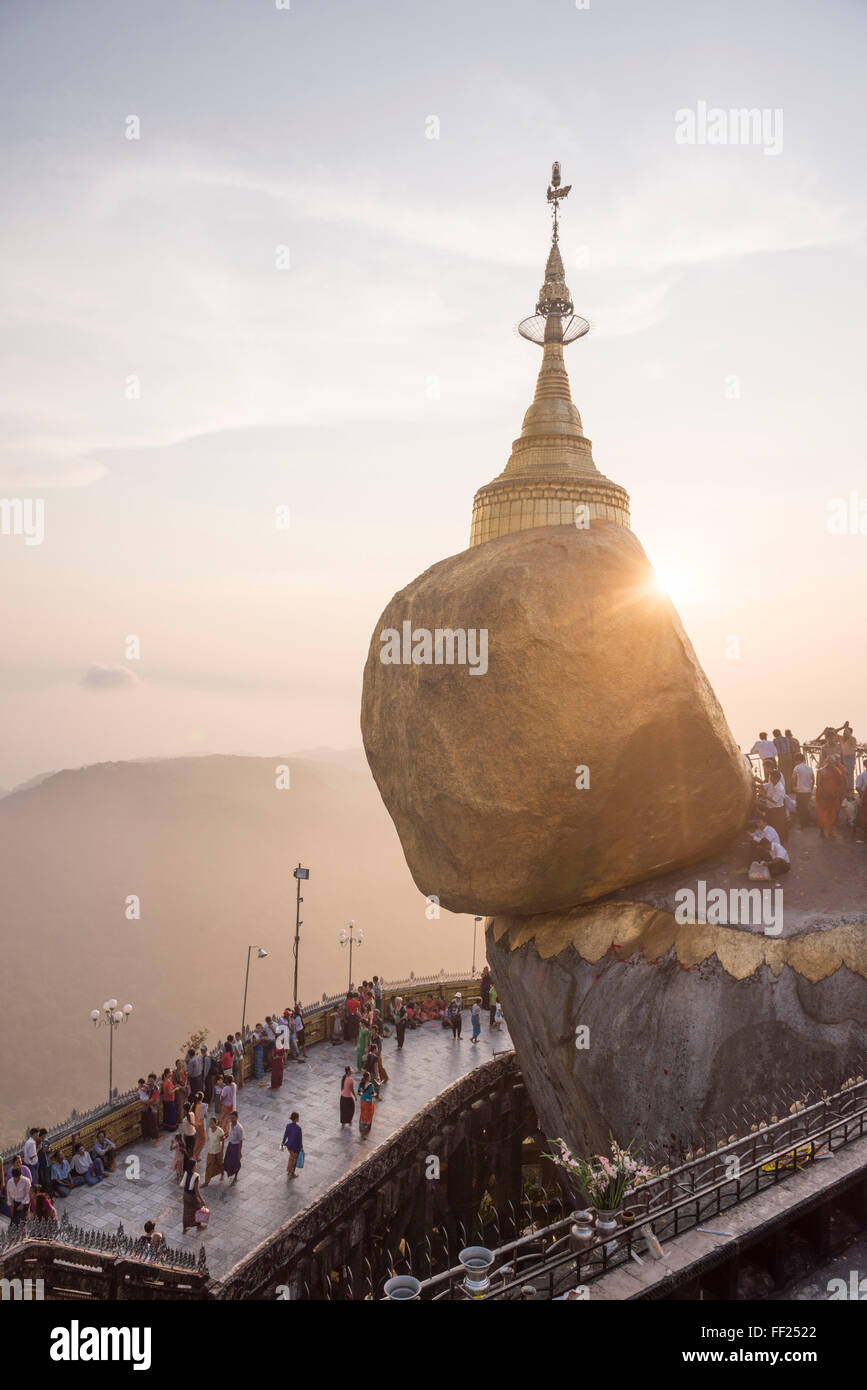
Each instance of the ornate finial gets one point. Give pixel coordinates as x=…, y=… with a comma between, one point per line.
x=555, y=193
x=555, y=317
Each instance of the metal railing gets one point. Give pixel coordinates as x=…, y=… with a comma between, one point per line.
x=672, y=1202
x=64, y=1233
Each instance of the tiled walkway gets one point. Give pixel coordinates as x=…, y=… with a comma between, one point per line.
x=263, y=1197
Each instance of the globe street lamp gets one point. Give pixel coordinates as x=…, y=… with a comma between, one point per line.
x=351, y=941
x=260, y=956
x=110, y=1017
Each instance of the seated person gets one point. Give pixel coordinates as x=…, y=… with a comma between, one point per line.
x=150, y=1237
x=61, y=1176
x=103, y=1153
x=83, y=1170
x=41, y=1205
x=769, y=848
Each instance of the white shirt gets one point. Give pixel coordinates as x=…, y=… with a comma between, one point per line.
x=764, y=747
x=803, y=778
x=18, y=1191
x=81, y=1164
x=775, y=793
x=861, y=781
x=779, y=851
x=30, y=1152
x=769, y=833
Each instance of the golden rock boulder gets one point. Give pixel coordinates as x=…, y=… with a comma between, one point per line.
x=539, y=727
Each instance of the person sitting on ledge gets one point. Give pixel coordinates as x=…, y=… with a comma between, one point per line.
x=61, y=1176
x=105, y=1151
x=151, y=1238
x=83, y=1169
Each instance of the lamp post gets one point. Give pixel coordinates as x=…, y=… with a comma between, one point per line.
x=299, y=874
x=110, y=1017
x=351, y=941
x=260, y=956
x=476, y=921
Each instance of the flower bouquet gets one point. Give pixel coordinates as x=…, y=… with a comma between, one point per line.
x=604, y=1179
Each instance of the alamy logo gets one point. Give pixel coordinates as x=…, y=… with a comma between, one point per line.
x=26, y=1290
x=856, y=1290
x=23, y=516
x=444, y=646
x=757, y=907
x=739, y=126
x=77, y=1343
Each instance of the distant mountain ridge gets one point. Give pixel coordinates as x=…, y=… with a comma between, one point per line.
x=207, y=845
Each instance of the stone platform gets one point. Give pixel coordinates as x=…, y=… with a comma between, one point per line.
x=263, y=1198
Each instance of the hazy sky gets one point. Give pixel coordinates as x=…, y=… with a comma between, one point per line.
x=377, y=381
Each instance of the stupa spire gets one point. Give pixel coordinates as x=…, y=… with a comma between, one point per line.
x=551, y=469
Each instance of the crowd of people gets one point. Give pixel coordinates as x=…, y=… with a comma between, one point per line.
x=196, y=1102
x=805, y=785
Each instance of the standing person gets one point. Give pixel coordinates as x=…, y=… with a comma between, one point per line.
x=366, y=1092
x=228, y=1101
x=207, y=1074
x=493, y=1003
x=299, y=1033
x=775, y=804
x=214, y=1144
x=485, y=987
x=169, y=1090
x=188, y=1129
x=43, y=1160
x=784, y=754
x=18, y=1194
x=292, y=1143
x=830, y=790
x=400, y=1021
x=238, y=1060
x=476, y=1015
x=148, y=1104
x=347, y=1098
x=377, y=994
x=234, y=1146
x=278, y=1061
x=352, y=1013
x=194, y=1072
x=227, y=1059
x=193, y=1199
x=803, y=779
x=767, y=751
x=362, y=1044
x=455, y=1011
x=198, y=1115
x=849, y=753
x=795, y=745
x=258, y=1041
x=269, y=1037
x=31, y=1150
x=178, y=1150
x=217, y=1095
x=179, y=1076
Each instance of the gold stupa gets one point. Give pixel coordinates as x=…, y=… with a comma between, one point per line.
x=550, y=479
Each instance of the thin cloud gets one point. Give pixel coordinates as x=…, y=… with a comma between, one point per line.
x=101, y=678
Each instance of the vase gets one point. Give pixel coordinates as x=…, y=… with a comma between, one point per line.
x=582, y=1232
x=607, y=1224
